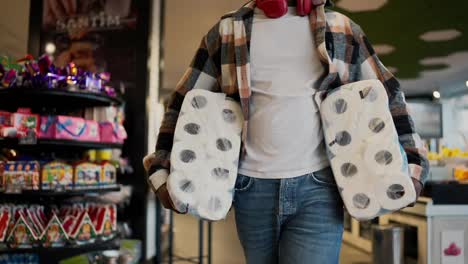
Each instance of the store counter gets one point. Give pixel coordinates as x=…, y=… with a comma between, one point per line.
x=434, y=234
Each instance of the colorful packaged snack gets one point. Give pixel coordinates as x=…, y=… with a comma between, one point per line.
x=113, y=215
x=5, y=218
x=83, y=231
x=21, y=175
x=54, y=234
x=75, y=128
x=108, y=174
x=25, y=122
x=112, y=132
x=87, y=174
x=57, y=176
x=2, y=178
x=47, y=128
x=5, y=119
x=31, y=175
x=24, y=226
x=21, y=235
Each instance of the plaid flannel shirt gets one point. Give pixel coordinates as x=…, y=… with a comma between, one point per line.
x=222, y=64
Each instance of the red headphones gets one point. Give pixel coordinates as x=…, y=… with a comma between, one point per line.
x=278, y=8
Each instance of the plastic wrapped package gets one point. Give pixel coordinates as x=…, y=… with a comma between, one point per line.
x=369, y=164
x=205, y=154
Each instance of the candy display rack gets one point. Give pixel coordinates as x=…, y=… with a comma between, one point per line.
x=54, y=144
x=46, y=194
x=35, y=97
x=54, y=255
x=61, y=101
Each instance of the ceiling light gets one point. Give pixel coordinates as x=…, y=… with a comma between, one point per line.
x=466, y=83
x=436, y=94
x=440, y=35
x=384, y=49
x=50, y=48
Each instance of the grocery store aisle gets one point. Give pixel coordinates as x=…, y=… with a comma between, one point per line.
x=226, y=246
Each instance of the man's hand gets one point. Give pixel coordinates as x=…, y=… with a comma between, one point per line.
x=166, y=200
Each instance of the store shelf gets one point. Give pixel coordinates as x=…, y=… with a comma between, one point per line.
x=53, y=255
x=28, y=195
x=13, y=98
x=48, y=144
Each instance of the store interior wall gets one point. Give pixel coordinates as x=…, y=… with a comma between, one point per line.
x=185, y=23
x=14, y=25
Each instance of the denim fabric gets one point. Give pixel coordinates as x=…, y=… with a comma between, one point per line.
x=289, y=221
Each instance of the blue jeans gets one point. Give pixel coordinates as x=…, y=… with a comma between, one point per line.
x=289, y=221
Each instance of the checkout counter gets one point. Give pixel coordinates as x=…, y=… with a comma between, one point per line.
x=436, y=228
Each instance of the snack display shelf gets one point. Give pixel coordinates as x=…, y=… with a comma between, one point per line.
x=57, y=144
x=40, y=97
x=27, y=195
x=54, y=255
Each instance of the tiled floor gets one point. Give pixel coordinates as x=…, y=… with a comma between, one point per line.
x=226, y=246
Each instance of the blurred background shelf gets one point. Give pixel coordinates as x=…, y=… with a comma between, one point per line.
x=54, y=255
x=51, y=144
x=37, y=98
x=34, y=195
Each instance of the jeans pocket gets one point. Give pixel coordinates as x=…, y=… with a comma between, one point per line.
x=324, y=177
x=243, y=183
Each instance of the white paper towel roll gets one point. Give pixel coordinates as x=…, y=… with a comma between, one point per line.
x=348, y=170
x=375, y=124
x=341, y=107
x=220, y=173
x=340, y=114
x=366, y=156
x=199, y=100
x=361, y=205
x=225, y=147
x=395, y=191
x=187, y=156
x=345, y=140
x=383, y=158
x=215, y=206
x=232, y=116
x=190, y=127
x=371, y=91
x=182, y=190
x=204, y=156
x=215, y=175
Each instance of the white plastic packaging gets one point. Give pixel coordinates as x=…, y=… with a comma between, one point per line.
x=205, y=154
x=369, y=164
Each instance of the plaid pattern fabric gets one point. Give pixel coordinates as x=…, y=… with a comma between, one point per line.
x=222, y=64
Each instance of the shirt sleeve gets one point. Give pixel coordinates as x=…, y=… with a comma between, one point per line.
x=204, y=73
x=372, y=68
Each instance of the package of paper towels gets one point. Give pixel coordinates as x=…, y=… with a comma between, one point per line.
x=369, y=164
x=205, y=154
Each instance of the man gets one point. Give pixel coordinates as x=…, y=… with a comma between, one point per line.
x=288, y=208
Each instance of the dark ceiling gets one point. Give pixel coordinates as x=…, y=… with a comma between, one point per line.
x=418, y=39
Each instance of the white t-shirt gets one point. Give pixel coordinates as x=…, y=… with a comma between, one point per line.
x=285, y=137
